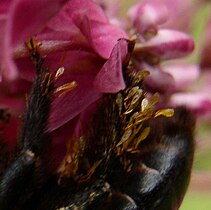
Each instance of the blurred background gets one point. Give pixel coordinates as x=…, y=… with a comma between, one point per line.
x=198, y=196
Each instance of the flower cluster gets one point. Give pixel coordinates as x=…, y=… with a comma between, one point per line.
x=89, y=40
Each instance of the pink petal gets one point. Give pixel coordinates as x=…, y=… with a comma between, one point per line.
x=167, y=44
x=4, y=6
x=110, y=78
x=84, y=24
x=71, y=104
x=60, y=137
x=184, y=75
x=15, y=89
x=80, y=8
x=181, y=13
x=14, y=105
x=3, y=19
x=110, y=7
x=29, y=17
x=158, y=81
x=101, y=36
x=89, y=88
x=148, y=15
x=25, y=18
x=7, y=67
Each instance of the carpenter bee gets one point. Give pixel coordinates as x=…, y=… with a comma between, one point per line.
x=133, y=156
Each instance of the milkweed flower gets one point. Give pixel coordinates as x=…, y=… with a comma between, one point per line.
x=90, y=42
x=84, y=35
x=160, y=42
x=157, y=46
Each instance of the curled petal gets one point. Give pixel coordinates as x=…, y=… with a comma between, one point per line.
x=75, y=8
x=101, y=36
x=85, y=23
x=110, y=78
x=66, y=25
x=90, y=84
x=146, y=16
x=184, y=75
x=167, y=44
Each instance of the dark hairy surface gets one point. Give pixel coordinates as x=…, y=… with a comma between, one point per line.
x=129, y=158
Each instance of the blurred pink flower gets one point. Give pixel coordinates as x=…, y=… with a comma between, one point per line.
x=85, y=38
x=166, y=44
x=180, y=13
x=146, y=16
x=184, y=75
x=156, y=45
x=198, y=97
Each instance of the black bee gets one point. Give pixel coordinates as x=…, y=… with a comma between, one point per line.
x=132, y=157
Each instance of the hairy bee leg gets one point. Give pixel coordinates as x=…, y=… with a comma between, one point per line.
x=118, y=201
x=4, y=157
x=18, y=177
x=37, y=113
x=5, y=152
x=64, y=196
x=161, y=178
x=12, y=185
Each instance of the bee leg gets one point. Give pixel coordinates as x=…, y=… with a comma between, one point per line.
x=21, y=174
x=5, y=151
x=161, y=177
x=69, y=197
x=118, y=201
x=14, y=180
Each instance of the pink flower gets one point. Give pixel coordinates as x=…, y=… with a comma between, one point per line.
x=81, y=37
x=79, y=34
x=180, y=13
x=155, y=45
x=165, y=45
x=184, y=75
x=147, y=16
x=196, y=95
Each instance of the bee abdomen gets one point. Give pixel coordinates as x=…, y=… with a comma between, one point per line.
x=161, y=176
